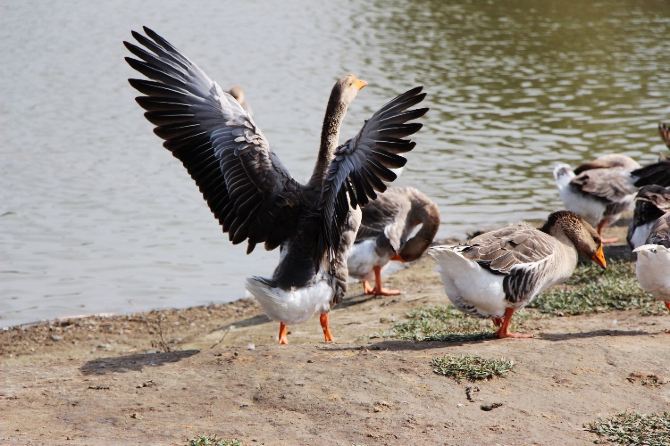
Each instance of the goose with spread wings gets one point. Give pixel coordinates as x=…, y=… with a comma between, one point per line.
x=251, y=193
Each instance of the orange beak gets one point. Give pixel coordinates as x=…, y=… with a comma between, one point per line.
x=397, y=258
x=360, y=84
x=599, y=257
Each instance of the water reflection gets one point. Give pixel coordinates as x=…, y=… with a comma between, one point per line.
x=95, y=216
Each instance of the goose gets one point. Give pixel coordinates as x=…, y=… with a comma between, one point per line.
x=250, y=192
x=498, y=272
x=653, y=261
x=600, y=190
x=383, y=235
x=651, y=203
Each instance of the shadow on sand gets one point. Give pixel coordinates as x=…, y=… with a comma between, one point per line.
x=133, y=363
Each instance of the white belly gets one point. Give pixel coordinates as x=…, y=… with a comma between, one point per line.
x=292, y=306
x=640, y=235
x=653, y=270
x=471, y=288
x=363, y=258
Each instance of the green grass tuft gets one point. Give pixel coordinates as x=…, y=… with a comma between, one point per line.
x=633, y=429
x=212, y=440
x=592, y=290
x=470, y=367
x=446, y=324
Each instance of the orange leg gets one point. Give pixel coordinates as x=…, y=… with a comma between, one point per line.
x=667, y=304
x=283, y=334
x=497, y=321
x=367, y=289
x=325, y=325
x=502, y=331
x=379, y=290
x=600, y=229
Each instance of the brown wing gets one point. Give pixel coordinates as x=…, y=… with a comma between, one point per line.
x=500, y=250
x=607, y=185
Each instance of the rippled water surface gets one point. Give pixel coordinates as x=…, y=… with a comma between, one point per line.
x=95, y=216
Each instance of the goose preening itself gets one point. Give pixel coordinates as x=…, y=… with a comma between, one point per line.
x=384, y=234
x=651, y=203
x=600, y=190
x=500, y=271
x=251, y=193
x=653, y=261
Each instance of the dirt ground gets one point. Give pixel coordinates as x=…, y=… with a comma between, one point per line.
x=112, y=381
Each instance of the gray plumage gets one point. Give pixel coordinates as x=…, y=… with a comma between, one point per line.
x=660, y=232
x=393, y=216
x=248, y=190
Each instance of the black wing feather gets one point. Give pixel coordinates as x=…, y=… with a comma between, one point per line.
x=247, y=189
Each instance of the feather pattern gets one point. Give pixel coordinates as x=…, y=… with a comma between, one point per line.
x=363, y=164
x=248, y=190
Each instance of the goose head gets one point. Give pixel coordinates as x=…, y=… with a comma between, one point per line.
x=568, y=225
x=347, y=87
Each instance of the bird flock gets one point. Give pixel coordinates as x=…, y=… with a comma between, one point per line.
x=347, y=221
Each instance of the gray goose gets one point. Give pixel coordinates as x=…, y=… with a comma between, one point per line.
x=384, y=234
x=251, y=193
x=653, y=260
x=500, y=271
x=651, y=203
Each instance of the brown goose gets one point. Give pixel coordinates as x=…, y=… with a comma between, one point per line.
x=387, y=223
x=250, y=192
x=500, y=271
x=651, y=203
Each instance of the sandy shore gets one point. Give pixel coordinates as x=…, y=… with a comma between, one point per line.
x=164, y=377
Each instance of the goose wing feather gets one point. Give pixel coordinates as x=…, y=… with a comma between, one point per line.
x=363, y=164
x=245, y=185
x=501, y=250
x=608, y=185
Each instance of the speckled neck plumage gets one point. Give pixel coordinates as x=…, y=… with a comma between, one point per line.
x=330, y=134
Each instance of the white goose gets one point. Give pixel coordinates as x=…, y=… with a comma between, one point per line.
x=500, y=271
x=653, y=261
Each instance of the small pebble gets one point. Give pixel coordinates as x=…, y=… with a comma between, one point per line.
x=491, y=406
x=251, y=346
x=56, y=338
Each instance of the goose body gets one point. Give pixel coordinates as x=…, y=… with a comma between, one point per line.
x=500, y=271
x=653, y=261
x=599, y=191
x=386, y=233
x=651, y=203
x=251, y=193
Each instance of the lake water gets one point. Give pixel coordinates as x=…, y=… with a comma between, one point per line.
x=95, y=216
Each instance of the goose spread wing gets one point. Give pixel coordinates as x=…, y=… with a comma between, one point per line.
x=361, y=165
x=501, y=250
x=245, y=185
x=609, y=185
